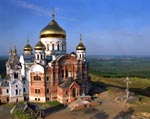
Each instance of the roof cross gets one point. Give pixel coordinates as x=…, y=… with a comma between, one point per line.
x=53, y=13
x=80, y=37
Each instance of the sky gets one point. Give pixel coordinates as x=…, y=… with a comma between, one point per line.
x=108, y=27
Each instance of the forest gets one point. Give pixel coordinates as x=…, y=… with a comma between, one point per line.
x=3, y=60
x=120, y=66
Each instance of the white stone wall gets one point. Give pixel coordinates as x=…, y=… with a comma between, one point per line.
x=49, y=47
x=16, y=99
x=39, y=99
x=16, y=90
x=4, y=91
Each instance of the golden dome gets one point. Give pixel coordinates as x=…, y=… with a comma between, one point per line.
x=80, y=45
x=40, y=46
x=53, y=30
x=28, y=47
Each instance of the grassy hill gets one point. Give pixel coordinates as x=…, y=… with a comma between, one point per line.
x=137, y=85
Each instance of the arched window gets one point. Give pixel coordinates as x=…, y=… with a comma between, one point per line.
x=15, y=75
x=37, y=56
x=47, y=47
x=73, y=92
x=47, y=78
x=52, y=46
x=37, y=78
x=66, y=73
x=37, y=91
x=7, y=91
x=80, y=56
x=16, y=92
x=58, y=46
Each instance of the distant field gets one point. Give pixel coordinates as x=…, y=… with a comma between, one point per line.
x=118, y=66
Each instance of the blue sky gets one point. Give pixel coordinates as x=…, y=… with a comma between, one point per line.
x=108, y=27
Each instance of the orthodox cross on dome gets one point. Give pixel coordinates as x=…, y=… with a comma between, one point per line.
x=80, y=37
x=53, y=13
x=27, y=40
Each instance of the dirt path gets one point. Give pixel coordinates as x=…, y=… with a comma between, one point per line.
x=109, y=109
x=5, y=112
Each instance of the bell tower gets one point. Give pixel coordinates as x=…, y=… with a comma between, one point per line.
x=81, y=50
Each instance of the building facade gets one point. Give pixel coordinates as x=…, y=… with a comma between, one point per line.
x=48, y=73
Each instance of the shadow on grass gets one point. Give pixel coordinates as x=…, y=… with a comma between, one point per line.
x=51, y=110
x=100, y=115
x=139, y=91
x=125, y=114
x=97, y=87
x=90, y=110
x=97, y=113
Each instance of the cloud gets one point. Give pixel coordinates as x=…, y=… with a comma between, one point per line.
x=38, y=10
x=67, y=19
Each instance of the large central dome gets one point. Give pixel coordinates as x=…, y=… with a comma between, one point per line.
x=53, y=30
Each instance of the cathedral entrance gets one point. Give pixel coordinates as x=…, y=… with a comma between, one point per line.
x=74, y=92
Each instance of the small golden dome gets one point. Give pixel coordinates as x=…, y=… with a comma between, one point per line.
x=40, y=46
x=28, y=47
x=53, y=30
x=80, y=45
